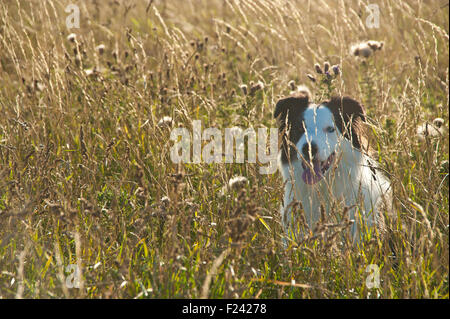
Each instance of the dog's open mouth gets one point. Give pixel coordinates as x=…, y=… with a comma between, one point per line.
x=314, y=171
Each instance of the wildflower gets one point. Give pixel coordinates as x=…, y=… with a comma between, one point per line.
x=336, y=69
x=326, y=66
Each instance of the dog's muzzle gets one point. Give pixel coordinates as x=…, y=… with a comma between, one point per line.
x=315, y=170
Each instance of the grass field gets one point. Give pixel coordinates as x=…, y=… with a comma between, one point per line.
x=86, y=177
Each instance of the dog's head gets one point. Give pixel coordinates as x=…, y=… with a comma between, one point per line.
x=315, y=133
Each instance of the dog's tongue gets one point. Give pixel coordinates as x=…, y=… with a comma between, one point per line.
x=310, y=177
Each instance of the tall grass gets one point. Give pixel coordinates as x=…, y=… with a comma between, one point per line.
x=85, y=172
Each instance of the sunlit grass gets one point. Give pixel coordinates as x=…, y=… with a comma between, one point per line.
x=85, y=171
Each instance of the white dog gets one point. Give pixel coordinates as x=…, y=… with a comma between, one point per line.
x=322, y=161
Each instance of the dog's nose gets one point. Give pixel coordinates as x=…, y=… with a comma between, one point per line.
x=306, y=150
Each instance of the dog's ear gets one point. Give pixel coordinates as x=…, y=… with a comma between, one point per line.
x=290, y=107
x=348, y=114
x=288, y=113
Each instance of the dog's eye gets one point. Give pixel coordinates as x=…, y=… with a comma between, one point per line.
x=329, y=129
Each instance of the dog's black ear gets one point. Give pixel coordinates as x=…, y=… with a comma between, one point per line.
x=289, y=107
x=348, y=108
x=348, y=113
x=288, y=113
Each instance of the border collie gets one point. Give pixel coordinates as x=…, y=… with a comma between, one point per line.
x=323, y=163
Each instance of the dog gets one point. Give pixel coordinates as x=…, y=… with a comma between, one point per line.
x=323, y=162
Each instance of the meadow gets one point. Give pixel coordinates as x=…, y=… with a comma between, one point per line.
x=86, y=179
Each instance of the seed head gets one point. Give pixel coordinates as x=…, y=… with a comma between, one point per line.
x=304, y=90
x=38, y=86
x=100, y=49
x=89, y=72
x=72, y=37
x=165, y=201
x=256, y=87
x=367, y=48
x=375, y=45
x=435, y=130
x=291, y=85
x=318, y=68
x=438, y=122
x=237, y=182
x=243, y=88
x=362, y=49
x=311, y=77
x=166, y=121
